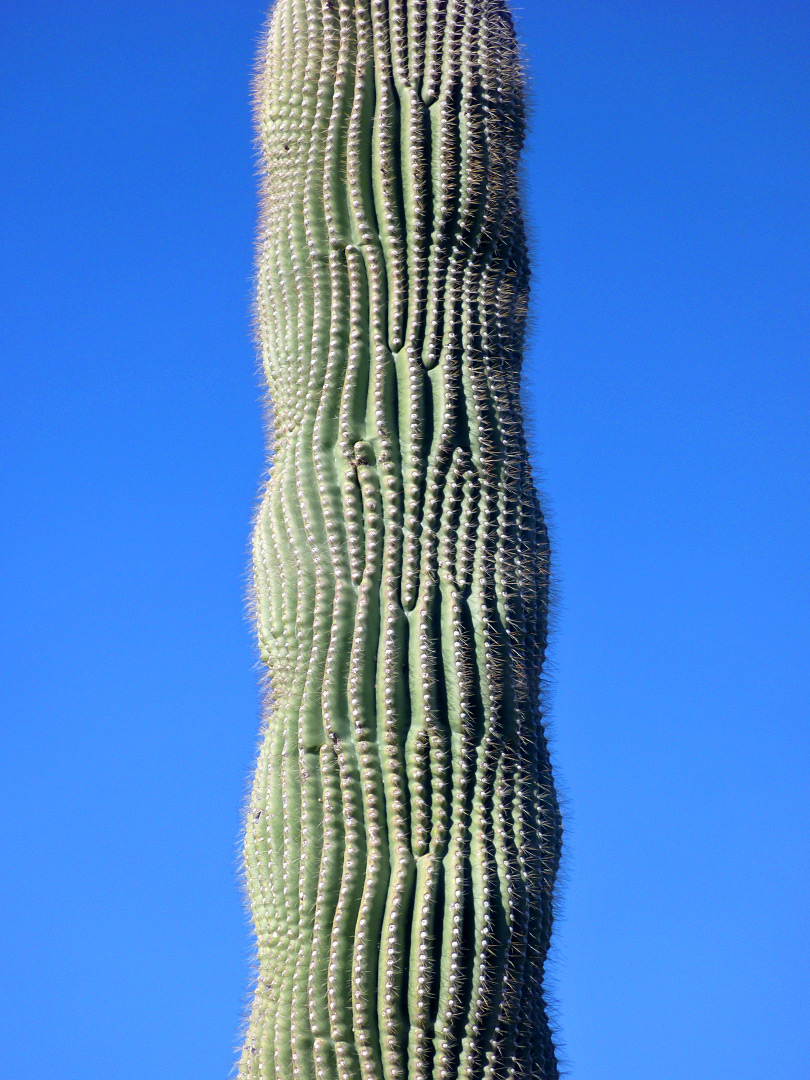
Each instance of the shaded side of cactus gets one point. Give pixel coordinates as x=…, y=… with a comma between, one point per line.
x=403, y=834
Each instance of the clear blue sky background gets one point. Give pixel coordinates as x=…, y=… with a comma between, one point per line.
x=668, y=178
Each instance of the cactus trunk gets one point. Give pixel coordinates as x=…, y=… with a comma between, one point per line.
x=403, y=834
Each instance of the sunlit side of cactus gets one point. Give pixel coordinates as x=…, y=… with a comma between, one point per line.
x=403, y=834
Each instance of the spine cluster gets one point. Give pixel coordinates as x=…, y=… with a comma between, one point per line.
x=403, y=834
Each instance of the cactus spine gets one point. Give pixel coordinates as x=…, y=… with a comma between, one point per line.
x=403, y=834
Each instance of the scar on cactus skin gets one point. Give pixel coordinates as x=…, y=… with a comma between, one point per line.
x=403, y=834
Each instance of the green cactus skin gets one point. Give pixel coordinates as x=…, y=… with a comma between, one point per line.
x=403, y=834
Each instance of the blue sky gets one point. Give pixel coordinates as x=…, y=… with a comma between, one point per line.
x=667, y=181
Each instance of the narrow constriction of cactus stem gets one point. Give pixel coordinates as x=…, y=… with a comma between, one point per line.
x=403, y=836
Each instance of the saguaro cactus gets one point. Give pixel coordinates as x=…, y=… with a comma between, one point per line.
x=403, y=835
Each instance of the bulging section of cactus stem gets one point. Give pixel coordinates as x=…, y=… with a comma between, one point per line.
x=403, y=835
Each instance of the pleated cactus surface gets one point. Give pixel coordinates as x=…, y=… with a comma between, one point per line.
x=403, y=835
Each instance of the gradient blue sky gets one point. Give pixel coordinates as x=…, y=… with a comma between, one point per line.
x=668, y=184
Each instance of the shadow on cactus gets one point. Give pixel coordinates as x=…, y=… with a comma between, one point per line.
x=403, y=834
